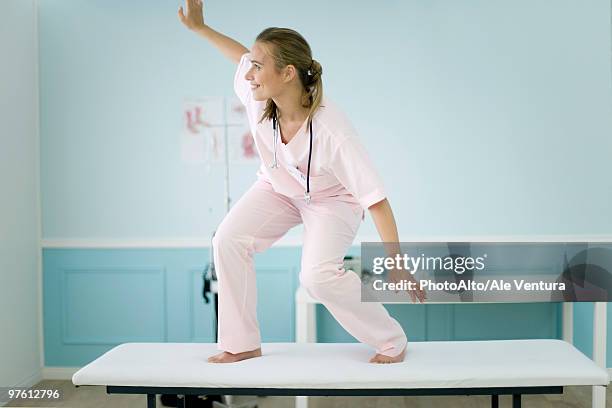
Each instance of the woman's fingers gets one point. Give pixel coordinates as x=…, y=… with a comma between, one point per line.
x=184, y=18
x=194, y=6
x=417, y=293
x=198, y=6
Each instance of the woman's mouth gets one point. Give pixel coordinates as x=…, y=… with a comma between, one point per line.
x=253, y=86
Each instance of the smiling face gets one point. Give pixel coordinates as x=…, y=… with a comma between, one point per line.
x=293, y=88
x=267, y=81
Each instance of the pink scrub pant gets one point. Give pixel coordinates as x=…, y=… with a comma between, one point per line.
x=254, y=223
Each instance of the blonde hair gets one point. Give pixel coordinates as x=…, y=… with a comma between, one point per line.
x=288, y=47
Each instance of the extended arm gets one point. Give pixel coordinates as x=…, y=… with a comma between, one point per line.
x=385, y=224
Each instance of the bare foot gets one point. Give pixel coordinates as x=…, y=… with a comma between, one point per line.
x=227, y=357
x=382, y=359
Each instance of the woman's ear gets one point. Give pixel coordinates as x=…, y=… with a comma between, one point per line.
x=289, y=73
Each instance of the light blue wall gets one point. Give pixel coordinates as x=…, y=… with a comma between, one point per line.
x=483, y=117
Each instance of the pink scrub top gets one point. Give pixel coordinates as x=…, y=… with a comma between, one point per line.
x=340, y=168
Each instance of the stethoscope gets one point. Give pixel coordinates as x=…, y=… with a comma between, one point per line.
x=274, y=164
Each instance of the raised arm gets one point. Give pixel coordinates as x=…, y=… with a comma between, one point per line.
x=193, y=19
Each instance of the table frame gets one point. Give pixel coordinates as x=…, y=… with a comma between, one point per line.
x=494, y=392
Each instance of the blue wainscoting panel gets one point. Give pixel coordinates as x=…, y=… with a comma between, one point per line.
x=277, y=280
x=112, y=305
x=329, y=330
x=460, y=322
x=95, y=299
x=583, y=328
x=505, y=321
x=275, y=304
x=438, y=323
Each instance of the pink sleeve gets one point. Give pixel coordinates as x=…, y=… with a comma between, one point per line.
x=352, y=166
x=241, y=85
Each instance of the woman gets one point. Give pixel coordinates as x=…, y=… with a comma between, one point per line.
x=314, y=171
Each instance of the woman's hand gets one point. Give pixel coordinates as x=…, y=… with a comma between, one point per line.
x=194, y=20
x=195, y=15
x=399, y=275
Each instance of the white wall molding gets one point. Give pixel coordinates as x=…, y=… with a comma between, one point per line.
x=293, y=241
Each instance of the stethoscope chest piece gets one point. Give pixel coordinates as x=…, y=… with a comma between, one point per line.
x=307, y=197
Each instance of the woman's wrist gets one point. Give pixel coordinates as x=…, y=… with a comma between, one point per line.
x=202, y=30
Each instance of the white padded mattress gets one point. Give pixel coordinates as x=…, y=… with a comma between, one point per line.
x=432, y=364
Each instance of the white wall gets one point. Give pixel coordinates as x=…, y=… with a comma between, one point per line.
x=20, y=317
